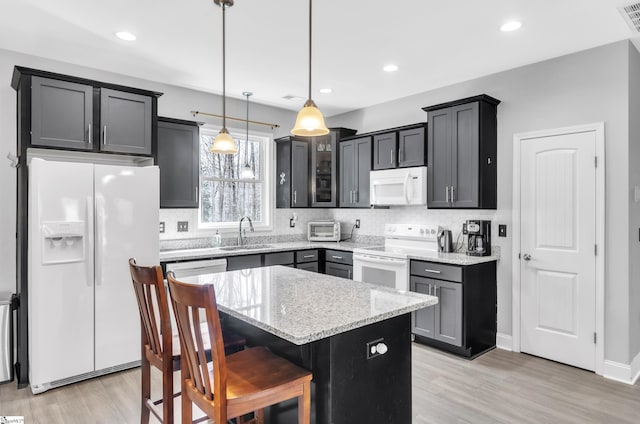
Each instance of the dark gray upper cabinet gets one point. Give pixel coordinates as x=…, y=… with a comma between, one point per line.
x=292, y=172
x=179, y=161
x=125, y=121
x=324, y=167
x=412, y=147
x=61, y=114
x=66, y=112
x=385, y=147
x=461, y=170
x=355, y=165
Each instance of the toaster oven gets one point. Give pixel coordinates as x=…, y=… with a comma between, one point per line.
x=323, y=231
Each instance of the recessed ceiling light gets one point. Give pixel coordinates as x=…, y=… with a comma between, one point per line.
x=126, y=36
x=326, y=90
x=390, y=68
x=511, y=26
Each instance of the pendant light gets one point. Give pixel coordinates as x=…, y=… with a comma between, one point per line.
x=310, y=121
x=247, y=172
x=223, y=143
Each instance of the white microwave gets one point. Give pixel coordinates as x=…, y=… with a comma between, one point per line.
x=402, y=186
x=323, y=231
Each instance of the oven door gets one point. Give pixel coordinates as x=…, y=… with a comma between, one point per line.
x=381, y=270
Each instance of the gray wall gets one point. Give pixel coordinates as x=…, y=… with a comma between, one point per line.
x=176, y=103
x=634, y=207
x=586, y=87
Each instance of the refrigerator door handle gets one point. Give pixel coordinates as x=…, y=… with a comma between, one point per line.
x=89, y=241
x=99, y=239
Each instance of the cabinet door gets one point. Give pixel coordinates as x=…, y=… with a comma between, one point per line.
x=299, y=174
x=448, y=322
x=384, y=150
x=423, y=320
x=362, y=170
x=439, y=159
x=243, y=262
x=125, y=120
x=308, y=266
x=338, y=270
x=280, y=258
x=347, y=173
x=465, y=153
x=323, y=171
x=412, y=148
x=61, y=114
x=179, y=162
x=283, y=174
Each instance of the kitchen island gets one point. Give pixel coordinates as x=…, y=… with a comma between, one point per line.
x=354, y=337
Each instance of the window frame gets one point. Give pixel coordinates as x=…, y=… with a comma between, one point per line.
x=265, y=141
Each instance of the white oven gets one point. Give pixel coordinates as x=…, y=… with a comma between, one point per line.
x=381, y=270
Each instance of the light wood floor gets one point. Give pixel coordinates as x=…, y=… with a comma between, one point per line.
x=498, y=387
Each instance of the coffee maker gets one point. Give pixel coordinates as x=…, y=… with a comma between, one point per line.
x=479, y=242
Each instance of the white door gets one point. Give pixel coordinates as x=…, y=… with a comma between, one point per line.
x=60, y=286
x=558, y=237
x=127, y=208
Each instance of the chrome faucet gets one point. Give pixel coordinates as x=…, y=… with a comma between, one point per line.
x=240, y=232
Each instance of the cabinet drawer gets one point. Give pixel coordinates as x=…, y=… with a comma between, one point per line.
x=437, y=270
x=339, y=256
x=307, y=256
x=308, y=266
x=243, y=262
x=339, y=270
x=281, y=258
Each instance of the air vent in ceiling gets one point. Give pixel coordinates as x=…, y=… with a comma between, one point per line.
x=631, y=14
x=292, y=97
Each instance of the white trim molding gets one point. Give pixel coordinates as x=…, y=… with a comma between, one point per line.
x=598, y=128
x=623, y=373
x=504, y=341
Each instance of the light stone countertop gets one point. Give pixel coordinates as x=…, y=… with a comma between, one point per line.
x=301, y=306
x=212, y=253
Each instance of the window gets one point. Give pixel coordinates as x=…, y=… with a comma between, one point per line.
x=225, y=196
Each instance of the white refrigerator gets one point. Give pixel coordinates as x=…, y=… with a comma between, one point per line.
x=85, y=221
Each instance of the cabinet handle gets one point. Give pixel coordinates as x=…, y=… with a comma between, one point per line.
x=313, y=195
x=432, y=271
x=309, y=256
x=89, y=132
x=337, y=257
x=351, y=196
x=104, y=136
x=356, y=196
x=453, y=196
x=429, y=289
x=349, y=273
x=435, y=290
x=446, y=190
x=295, y=197
x=391, y=157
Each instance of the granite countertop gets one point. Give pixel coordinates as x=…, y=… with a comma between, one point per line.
x=212, y=253
x=301, y=306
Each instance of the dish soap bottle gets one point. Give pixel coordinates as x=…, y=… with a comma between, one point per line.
x=217, y=239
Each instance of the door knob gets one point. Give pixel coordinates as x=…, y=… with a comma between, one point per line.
x=526, y=257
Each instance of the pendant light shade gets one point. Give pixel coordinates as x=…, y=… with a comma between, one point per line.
x=310, y=121
x=247, y=171
x=223, y=143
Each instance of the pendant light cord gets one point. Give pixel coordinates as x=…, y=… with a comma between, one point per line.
x=246, y=153
x=310, y=7
x=224, y=60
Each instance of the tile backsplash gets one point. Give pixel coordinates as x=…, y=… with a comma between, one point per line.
x=372, y=223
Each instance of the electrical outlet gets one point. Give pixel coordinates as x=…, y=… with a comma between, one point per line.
x=183, y=226
x=357, y=223
x=502, y=230
x=464, y=229
x=292, y=223
x=376, y=348
x=162, y=226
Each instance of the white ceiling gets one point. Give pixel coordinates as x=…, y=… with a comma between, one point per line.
x=435, y=43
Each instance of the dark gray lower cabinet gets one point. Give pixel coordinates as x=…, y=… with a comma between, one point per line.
x=464, y=320
x=178, y=157
x=243, y=262
x=279, y=258
x=308, y=266
x=338, y=270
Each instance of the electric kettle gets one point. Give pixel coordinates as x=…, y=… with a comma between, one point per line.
x=445, y=240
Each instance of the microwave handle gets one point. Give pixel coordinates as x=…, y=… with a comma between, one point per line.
x=406, y=186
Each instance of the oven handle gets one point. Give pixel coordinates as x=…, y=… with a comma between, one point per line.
x=377, y=259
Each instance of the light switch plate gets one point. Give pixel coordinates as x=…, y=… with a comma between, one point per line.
x=502, y=230
x=162, y=226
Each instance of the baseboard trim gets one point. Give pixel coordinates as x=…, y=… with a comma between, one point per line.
x=504, y=341
x=623, y=373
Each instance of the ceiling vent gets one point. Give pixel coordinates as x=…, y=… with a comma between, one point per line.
x=293, y=98
x=631, y=15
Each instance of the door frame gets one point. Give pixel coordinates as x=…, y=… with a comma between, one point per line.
x=518, y=139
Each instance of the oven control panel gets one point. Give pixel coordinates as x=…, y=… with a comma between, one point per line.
x=410, y=231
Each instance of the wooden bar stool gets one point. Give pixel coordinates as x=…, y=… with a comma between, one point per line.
x=160, y=346
x=234, y=385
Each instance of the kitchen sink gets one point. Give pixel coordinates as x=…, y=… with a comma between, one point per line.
x=247, y=247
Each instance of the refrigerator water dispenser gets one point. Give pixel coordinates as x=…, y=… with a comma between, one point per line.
x=63, y=242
